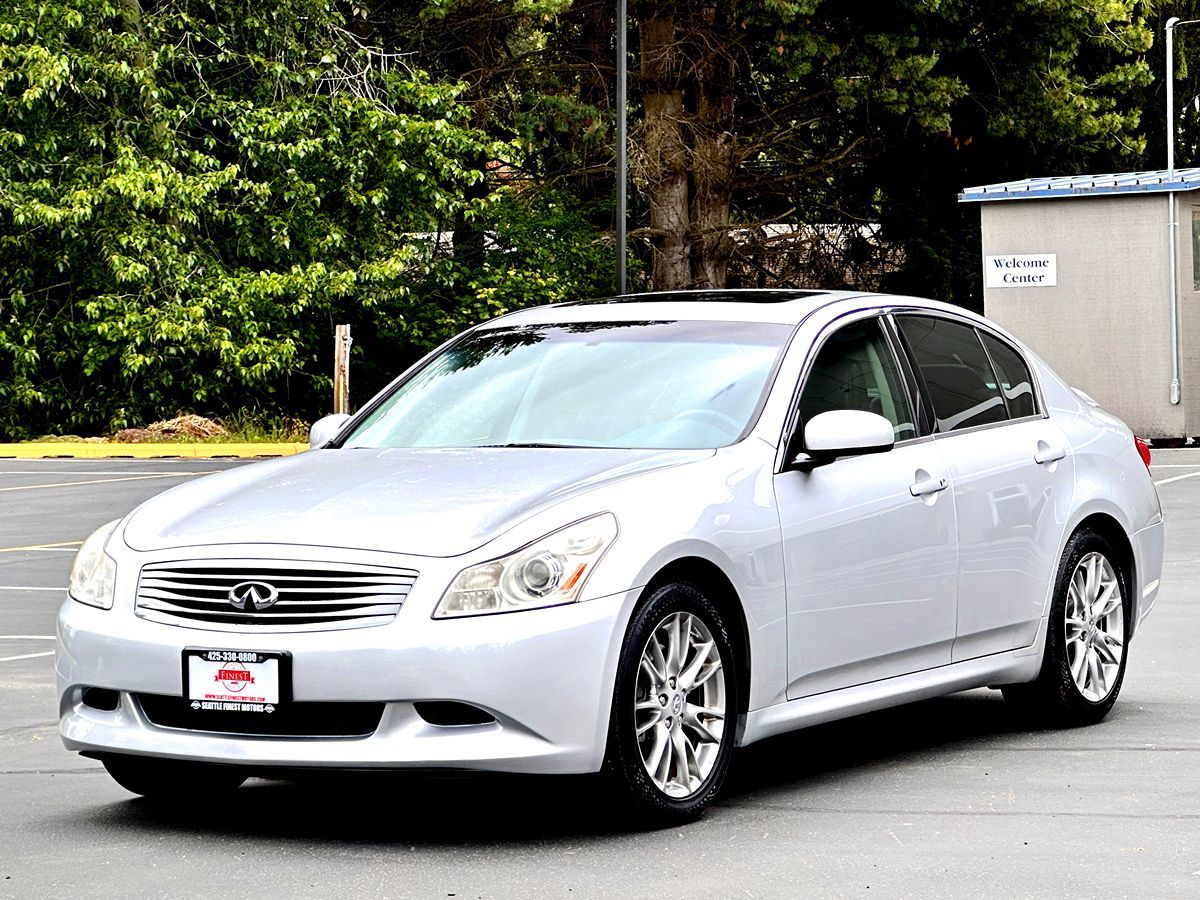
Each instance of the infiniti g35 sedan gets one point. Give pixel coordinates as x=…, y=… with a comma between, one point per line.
x=625, y=536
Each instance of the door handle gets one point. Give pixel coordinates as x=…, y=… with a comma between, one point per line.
x=928, y=486
x=1045, y=454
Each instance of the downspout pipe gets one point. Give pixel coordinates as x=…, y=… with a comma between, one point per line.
x=1173, y=213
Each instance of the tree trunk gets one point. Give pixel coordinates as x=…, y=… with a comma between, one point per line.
x=666, y=157
x=713, y=143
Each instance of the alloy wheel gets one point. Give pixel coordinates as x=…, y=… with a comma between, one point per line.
x=1095, y=626
x=679, y=704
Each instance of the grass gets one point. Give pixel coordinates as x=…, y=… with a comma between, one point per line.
x=257, y=428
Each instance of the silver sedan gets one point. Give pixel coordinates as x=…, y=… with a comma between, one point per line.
x=625, y=536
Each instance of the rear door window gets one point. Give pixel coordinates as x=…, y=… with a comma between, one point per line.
x=957, y=374
x=1014, y=377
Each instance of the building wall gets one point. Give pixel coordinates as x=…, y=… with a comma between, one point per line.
x=1105, y=326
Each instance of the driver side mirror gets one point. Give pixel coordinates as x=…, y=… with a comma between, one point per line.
x=326, y=429
x=843, y=432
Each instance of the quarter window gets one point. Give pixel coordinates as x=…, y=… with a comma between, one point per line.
x=855, y=369
x=958, y=377
x=1014, y=377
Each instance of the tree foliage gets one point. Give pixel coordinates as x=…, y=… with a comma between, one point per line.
x=192, y=192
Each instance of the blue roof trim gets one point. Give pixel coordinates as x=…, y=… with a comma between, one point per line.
x=1154, y=182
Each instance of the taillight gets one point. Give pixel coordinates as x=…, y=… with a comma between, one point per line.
x=1143, y=450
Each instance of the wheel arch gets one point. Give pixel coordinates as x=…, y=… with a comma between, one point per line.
x=1105, y=524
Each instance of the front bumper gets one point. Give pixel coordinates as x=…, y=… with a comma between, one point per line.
x=545, y=675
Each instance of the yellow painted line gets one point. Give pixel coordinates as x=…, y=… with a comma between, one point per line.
x=40, y=546
x=42, y=449
x=58, y=484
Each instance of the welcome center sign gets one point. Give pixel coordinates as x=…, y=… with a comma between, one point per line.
x=1021, y=270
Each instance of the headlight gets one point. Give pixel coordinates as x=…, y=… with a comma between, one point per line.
x=94, y=575
x=548, y=572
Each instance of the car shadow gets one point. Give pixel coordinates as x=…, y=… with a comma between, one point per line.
x=431, y=808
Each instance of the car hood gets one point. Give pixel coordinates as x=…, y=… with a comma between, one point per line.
x=437, y=502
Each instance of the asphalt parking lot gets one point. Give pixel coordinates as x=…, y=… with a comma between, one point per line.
x=952, y=797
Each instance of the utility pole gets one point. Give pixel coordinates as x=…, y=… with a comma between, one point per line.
x=622, y=141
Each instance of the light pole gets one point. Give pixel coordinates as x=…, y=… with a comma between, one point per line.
x=1173, y=229
x=622, y=157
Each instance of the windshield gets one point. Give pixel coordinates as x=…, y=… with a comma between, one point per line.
x=652, y=385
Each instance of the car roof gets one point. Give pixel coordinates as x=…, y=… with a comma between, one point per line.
x=787, y=307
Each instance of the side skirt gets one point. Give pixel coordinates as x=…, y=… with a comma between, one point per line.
x=999, y=668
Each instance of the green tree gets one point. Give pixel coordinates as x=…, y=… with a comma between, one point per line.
x=192, y=193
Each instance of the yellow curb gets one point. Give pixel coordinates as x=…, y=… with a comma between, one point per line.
x=65, y=450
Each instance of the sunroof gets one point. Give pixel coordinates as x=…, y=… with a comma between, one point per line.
x=751, y=296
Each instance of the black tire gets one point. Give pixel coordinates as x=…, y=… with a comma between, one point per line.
x=623, y=761
x=169, y=779
x=1054, y=699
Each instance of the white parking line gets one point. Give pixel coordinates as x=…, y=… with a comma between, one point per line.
x=26, y=637
x=58, y=484
x=26, y=656
x=1152, y=465
x=7, y=587
x=62, y=546
x=1177, y=478
x=86, y=472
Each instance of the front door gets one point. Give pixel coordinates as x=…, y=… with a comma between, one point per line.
x=869, y=542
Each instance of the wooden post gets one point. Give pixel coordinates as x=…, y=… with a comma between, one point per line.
x=341, y=369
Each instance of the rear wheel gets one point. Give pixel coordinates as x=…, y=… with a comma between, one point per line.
x=1084, y=661
x=674, y=709
x=169, y=779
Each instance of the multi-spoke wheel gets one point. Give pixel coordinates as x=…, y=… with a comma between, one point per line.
x=679, y=704
x=1095, y=627
x=671, y=735
x=1084, y=660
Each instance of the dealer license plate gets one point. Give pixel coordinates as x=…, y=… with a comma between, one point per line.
x=247, y=681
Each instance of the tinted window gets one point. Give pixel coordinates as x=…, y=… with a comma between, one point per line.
x=855, y=370
x=956, y=371
x=662, y=384
x=1014, y=377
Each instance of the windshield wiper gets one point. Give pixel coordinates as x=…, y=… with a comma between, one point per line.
x=529, y=444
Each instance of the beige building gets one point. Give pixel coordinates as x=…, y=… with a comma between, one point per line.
x=1080, y=269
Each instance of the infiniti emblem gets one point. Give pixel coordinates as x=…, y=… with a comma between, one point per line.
x=253, y=596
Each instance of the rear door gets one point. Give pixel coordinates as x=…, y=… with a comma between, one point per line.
x=1012, y=477
x=869, y=541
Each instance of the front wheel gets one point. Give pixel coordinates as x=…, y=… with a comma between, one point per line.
x=1084, y=662
x=674, y=710
x=169, y=779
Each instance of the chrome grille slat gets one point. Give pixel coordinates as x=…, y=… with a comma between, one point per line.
x=379, y=609
x=313, y=596
x=221, y=603
x=191, y=577
x=221, y=592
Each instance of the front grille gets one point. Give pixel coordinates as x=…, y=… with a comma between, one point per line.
x=313, y=596
x=288, y=719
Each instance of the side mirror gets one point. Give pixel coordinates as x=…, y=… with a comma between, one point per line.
x=843, y=432
x=326, y=429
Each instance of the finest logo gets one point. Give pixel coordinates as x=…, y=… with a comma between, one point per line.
x=253, y=596
x=234, y=677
